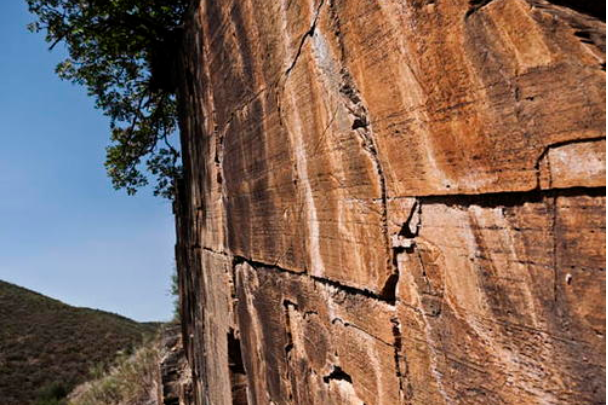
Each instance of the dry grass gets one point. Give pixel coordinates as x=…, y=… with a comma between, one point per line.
x=133, y=380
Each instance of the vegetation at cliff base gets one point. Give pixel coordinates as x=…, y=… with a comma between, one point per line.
x=132, y=379
x=47, y=347
x=124, y=52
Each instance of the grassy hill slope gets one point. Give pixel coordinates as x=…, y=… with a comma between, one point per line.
x=44, y=342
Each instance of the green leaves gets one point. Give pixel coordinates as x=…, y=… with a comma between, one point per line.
x=114, y=48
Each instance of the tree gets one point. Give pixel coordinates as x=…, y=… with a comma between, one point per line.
x=124, y=52
x=175, y=293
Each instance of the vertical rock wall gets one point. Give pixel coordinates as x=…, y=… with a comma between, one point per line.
x=393, y=202
x=175, y=375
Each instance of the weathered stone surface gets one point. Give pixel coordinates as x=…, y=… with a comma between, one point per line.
x=580, y=164
x=175, y=374
x=208, y=323
x=393, y=202
x=502, y=302
x=477, y=91
x=306, y=342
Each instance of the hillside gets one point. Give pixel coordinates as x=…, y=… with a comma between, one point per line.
x=44, y=342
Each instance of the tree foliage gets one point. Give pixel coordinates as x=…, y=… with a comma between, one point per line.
x=124, y=53
x=175, y=293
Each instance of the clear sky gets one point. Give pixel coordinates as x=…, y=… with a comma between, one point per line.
x=64, y=231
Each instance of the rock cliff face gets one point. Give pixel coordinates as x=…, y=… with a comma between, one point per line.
x=175, y=374
x=393, y=202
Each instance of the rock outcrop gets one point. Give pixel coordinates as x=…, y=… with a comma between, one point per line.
x=393, y=202
x=175, y=373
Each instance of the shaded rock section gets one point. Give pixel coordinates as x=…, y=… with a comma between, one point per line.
x=175, y=374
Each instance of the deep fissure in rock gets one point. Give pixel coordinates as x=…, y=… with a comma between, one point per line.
x=238, y=376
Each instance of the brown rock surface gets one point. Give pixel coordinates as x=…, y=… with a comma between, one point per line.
x=175, y=373
x=391, y=202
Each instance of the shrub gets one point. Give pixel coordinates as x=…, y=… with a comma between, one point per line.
x=52, y=394
x=129, y=381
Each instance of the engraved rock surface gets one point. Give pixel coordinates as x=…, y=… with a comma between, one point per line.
x=390, y=202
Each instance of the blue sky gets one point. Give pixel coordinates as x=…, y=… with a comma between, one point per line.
x=64, y=231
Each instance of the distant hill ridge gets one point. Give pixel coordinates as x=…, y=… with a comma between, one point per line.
x=44, y=342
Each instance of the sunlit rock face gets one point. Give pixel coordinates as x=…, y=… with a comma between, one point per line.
x=393, y=202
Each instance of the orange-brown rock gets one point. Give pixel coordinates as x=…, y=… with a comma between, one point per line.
x=393, y=202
